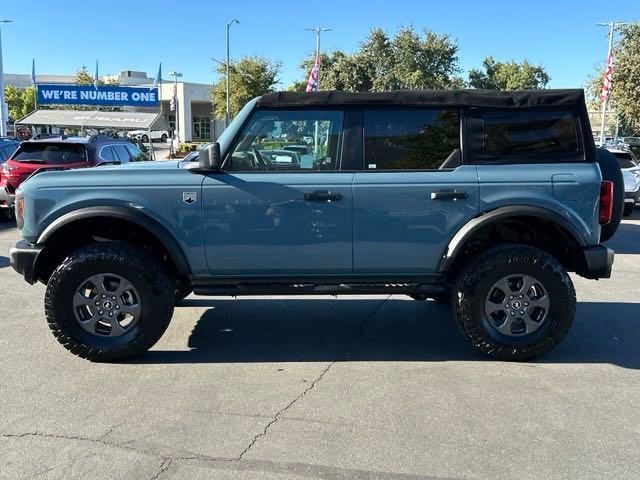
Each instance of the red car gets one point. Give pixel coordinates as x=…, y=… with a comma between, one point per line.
x=61, y=154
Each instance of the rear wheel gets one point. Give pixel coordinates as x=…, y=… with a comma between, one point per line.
x=514, y=302
x=109, y=301
x=628, y=209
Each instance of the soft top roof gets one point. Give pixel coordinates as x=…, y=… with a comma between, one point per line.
x=451, y=98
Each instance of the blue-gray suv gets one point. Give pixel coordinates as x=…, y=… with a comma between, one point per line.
x=483, y=200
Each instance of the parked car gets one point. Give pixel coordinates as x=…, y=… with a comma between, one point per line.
x=7, y=147
x=481, y=200
x=631, y=173
x=62, y=153
x=143, y=135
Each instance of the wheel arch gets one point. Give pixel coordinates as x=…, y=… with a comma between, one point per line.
x=504, y=215
x=136, y=219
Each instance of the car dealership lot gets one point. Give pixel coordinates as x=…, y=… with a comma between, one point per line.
x=360, y=387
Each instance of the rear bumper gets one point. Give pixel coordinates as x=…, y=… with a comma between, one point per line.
x=24, y=258
x=596, y=262
x=632, y=197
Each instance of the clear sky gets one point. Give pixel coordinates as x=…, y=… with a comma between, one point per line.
x=63, y=35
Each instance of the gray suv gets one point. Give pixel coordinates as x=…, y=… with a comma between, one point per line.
x=482, y=200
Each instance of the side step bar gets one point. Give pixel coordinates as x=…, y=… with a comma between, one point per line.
x=240, y=289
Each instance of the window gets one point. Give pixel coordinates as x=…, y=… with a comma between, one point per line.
x=106, y=154
x=625, y=160
x=263, y=144
x=51, y=153
x=136, y=153
x=121, y=152
x=202, y=128
x=411, y=139
x=526, y=132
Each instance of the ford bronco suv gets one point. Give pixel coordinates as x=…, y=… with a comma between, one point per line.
x=484, y=200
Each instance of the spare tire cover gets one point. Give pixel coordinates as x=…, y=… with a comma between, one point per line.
x=611, y=171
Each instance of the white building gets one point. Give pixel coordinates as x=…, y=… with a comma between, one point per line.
x=195, y=118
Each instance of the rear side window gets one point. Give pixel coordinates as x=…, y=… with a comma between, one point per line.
x=411, y=139
x=529, y=136
x=121, y=152
x=54, y=154
x=136, y=154
x=107, y=154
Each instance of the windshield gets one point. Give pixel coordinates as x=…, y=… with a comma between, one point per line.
x=50, y=153
x=625, y=160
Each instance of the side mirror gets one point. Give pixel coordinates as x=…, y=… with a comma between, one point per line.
x=209, y=158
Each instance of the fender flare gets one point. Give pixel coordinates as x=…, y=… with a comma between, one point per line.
x=494, y=216
x=123, y=213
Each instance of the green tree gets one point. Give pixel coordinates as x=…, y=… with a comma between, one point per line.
x=249, y=77
x=510, y=75
x=625, y=92
x=409, y=60
x=83, y=77
x=20, y=101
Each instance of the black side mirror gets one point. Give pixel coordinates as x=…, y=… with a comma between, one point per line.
x=209, y=158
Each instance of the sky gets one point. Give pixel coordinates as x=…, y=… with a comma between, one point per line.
x=185, y=35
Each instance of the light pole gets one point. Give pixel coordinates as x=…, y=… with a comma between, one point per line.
x=318, y=31
x=605, y=100
x=227, y=111
x=175, y=76
x=3, y=112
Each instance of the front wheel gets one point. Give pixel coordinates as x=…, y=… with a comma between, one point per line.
x=628, y=209
x=163, y=138
x=145, y=139
x=514, y=302
x=109, y=301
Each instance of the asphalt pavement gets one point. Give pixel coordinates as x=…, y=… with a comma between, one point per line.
x=348, y=388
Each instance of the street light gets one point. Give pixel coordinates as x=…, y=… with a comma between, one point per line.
x=175, y=76
x=227, y=111
x=3, y=112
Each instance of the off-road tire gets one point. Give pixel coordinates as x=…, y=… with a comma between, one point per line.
x=145, y=273
x=628, y=209
x=473, y=286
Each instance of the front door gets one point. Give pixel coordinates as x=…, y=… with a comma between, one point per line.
x=413, y=193
x=272, y=212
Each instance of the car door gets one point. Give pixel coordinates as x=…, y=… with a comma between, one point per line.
x=413, y=192
x=267, y=218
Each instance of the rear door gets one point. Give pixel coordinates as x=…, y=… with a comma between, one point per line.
x=265, y=215
x=413, y=193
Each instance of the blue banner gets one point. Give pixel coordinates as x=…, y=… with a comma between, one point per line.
x=106, y=95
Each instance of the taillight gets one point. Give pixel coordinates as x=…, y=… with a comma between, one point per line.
x=606, y=202
x=20, y=208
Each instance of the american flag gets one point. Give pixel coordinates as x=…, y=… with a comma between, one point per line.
x=608, y=79
x=312, y=84
x=172, y=102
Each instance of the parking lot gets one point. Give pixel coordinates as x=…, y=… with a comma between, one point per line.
x=359, y=387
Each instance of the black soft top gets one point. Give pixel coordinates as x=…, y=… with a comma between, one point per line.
x=444, y=98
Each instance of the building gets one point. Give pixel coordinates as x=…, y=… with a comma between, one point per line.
x=195, y=120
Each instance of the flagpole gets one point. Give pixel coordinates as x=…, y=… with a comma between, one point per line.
x=35, y=85
x=605, y=100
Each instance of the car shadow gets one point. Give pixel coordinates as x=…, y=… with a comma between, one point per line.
x=397, y=330
x=626, y=238
x=4, y=262
x=6, y=224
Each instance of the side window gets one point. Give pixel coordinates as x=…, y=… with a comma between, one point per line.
x=136, y=153
x=529, y=136
x=121, y=152
x=3, y=154
x=288, y=140
x=106, y=154
x=411, y=139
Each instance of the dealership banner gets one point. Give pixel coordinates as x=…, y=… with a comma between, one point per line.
x=105, y=95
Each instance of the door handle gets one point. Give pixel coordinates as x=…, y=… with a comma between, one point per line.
x=448, y=195
x=322, y=196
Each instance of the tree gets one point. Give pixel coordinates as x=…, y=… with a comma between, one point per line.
x=409, y=60
x=625, y=92
x=510, y=75
x=20, y=101
x=249, y=77
x=83, y=77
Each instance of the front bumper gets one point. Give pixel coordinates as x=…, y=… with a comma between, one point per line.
x=596, y=262
x=7, y=200
x=24, y=259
